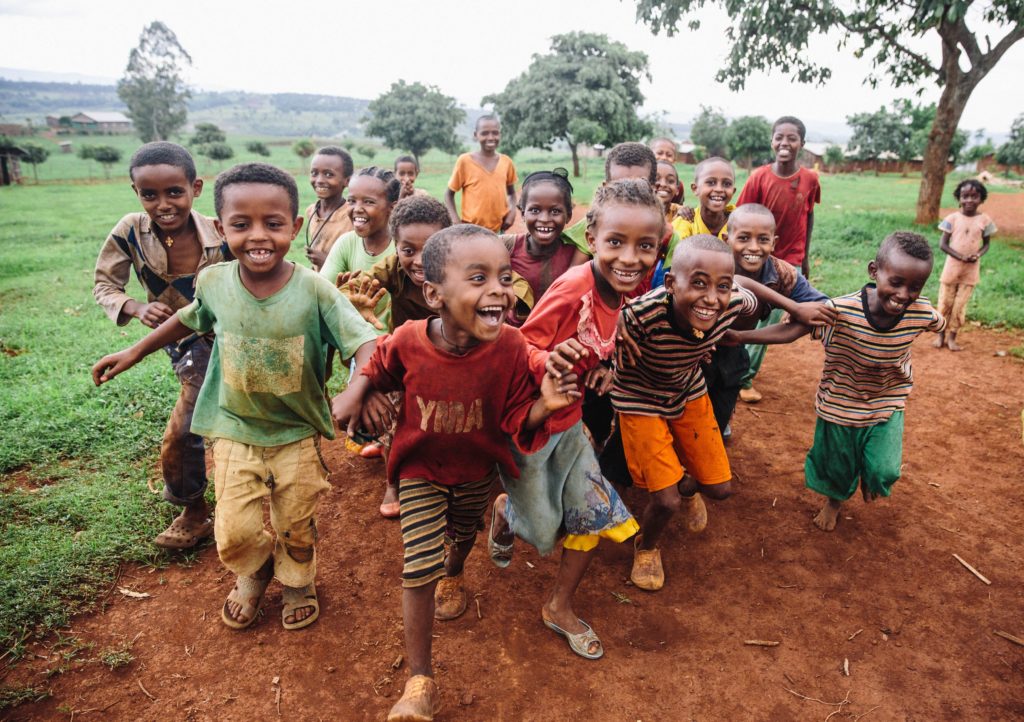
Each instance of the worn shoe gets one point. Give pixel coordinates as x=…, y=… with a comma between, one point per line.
x=750, y=396
x=647, y=571
x=449, y=598
x=184, y=533
x=696, y=514
x=419, y=702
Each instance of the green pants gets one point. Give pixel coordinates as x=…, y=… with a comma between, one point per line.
x=757, y=351
x=843, y=455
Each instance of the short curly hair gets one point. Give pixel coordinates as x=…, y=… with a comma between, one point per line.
x=439, y=247
x=255, y=173
x=631, y=155
x=629, y=191
x=913, y=244
x=347, y=166
x=418, y=209
x=971, y=183
x=163, y=153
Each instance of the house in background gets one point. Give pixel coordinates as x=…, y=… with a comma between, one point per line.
x=91, y=122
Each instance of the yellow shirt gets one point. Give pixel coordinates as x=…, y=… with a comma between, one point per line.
x=696, y=227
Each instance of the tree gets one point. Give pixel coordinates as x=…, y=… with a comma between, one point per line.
x=879, y=134
x=749, y=138
x=34, y=155
x=586, y=90
x=367, y=150
x=979, y=151
x=767, y=36
x=709, y=129
x=415, y=117
x=1011, y=153
x=219, y=152
x=207, y=133
x=834, y=157
x=303, y=148
x=152, y=86
x=258, y=147
x=105, y=155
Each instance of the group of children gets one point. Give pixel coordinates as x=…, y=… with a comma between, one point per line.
x=549, y=363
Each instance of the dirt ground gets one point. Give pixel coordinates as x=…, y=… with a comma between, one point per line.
x=882, y=597
x=1006, y=210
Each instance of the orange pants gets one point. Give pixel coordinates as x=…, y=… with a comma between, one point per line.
x=657, y=448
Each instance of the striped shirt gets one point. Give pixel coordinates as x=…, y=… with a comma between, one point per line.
x=867, y=373
x=668, y=373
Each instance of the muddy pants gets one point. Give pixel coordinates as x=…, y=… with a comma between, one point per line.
x=292, y=477
x=182, y=455
x=953, y=298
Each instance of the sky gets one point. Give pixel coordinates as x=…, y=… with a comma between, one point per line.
x=466, y=48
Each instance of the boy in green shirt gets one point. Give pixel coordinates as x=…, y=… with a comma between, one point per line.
x=262, y=401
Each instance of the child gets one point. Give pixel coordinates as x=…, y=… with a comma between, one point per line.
x=790, y=192
x=469, y=375
x=664, y=149
x=965, y=239
x=330, y=171
x=714, y=183
x=867, y=375
x=486, y=180
x=560, y=490
x=167, y=245
x=372, y=194
x=407, y=170
x=666, y=186
x=542, y=254
x=263, y=401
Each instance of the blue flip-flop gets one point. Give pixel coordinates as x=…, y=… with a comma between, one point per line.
x=580, y=642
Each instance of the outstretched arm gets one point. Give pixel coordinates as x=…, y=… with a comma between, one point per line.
x=774, y=334
x=166, y=333
x=347, y=406
x=816, y=313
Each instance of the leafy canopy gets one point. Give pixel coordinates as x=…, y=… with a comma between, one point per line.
x=416, y=118
x=207, y=133
x=152, y=86
x=901, y=132
x=749, y=140
x=303, y=148
x=1012, y=151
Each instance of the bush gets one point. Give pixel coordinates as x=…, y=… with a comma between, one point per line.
x=258, y=147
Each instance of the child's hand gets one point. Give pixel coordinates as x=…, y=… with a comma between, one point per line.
x=407, y=189
x=153, y=314
x=599, y=380
x=685, y=212
x=345, y=410
x=364, y=293
x=378, y=413
x=816, y=313
x=973, y=258
x=564, y=357
x=316, y=257
x=627, y=352
x=110, y=366
x=558, y=393
x=508, y=220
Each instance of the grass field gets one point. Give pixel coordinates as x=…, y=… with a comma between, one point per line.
x=74, y=460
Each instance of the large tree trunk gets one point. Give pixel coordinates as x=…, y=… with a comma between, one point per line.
x=940, y=139
x=575, y=161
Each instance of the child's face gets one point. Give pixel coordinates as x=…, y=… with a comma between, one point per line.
x=667, y=184
x=715, y=186
x=664, y=150
x=406, y=172
x=544, y=213
x=752, y=238
x=476, y=293
x=166, y=195
x=970, y=199
x=488, y=134
x=257, y=223
x=327, y=176
x=700, y=284
x=786, y=142
x=625, y=241
x=409, y=246
x=618, y=172
x=370, y=206
x=899, y=279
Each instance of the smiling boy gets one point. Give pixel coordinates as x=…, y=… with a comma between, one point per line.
x=263, y=401
x=486, y=179
x=330, y=171
x=867, y=376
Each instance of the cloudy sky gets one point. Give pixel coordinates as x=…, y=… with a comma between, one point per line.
x=467, y=48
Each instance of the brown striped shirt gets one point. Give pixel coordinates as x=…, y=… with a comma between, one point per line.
x=867, y=373
x=668, y=373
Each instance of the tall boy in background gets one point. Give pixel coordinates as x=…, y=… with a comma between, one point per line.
x=330, y=171
x=486, y=179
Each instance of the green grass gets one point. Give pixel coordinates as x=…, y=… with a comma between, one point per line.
x=75, y=460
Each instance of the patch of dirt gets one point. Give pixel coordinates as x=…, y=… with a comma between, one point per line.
x=882, y=595
x=1005, y=209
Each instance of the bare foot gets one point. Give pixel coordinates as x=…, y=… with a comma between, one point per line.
x=952, y=345
x=389, y=506
x=940, y=341
x=828, y=516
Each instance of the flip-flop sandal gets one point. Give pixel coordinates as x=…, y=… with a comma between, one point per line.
x=297, y=598
x=246, y=589
x=579, y=643
x=501, y=554
x=184, y=534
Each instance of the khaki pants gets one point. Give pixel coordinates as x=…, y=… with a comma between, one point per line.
x=953, y=298
x=291, y=477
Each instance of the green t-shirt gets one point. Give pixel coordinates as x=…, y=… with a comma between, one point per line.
x=349, y=254
x=265, y=382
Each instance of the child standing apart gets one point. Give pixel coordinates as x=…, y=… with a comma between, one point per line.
x=486, y=179
x=167, y=245
x=789, y=191
x=263, y=401
x=467, y=378
x=330, y=171
x=858, y=437
x=965, y=239
x=407, y=170
x=560, y=490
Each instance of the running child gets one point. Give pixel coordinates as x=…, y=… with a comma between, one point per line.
x=263, y=401
x=965, y=239
x=166, y=245
x=330, y=170
x=560, y=490
x=858, y=437
x=665, y=416
x=486, y=179
x=789, y=191
x=407, y=170
x=466, y=376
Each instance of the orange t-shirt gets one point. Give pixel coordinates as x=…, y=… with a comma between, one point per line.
x=484, y=194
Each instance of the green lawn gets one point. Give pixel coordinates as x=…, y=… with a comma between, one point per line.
x=74, y=460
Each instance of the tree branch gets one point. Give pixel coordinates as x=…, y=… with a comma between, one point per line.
x=890, y=37
x=988, y=60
